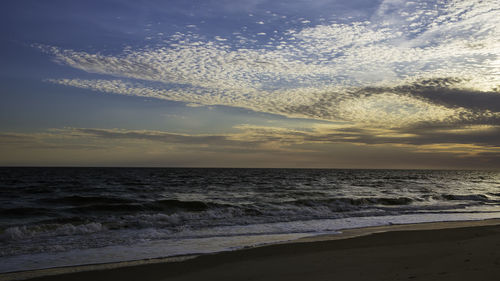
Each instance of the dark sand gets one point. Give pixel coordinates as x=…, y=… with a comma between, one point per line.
x=469, y=252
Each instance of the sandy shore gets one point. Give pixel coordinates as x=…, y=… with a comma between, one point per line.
x=431, y=251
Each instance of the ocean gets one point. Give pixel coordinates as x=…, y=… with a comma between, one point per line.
x=51, y=217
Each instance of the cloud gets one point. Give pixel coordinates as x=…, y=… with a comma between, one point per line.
x=399, y=106
x=447, y=92
x=15, y=138
x=161, y=136
x=45, y=140
x=411, y=63
x=251, y=135
x=322, y=145
x=260, y=137
x=479, y=136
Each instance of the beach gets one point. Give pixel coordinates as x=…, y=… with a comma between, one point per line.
x=250, y=140
x=429, y=251
x=64, y=217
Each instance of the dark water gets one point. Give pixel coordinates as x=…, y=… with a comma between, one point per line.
x=56, y=210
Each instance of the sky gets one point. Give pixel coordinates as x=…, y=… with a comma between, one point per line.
x=253, y=83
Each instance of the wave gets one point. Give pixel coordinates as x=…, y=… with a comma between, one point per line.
x=169, y=204
x=106, y=208
x=392, y=201
x=470, y=197
x=165, y=205
x=182, y=221
x=49, y=230
x=85, y=200
x=366, y=201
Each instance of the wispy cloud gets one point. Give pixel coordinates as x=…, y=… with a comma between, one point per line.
x=468, y=146
x=252, y=137
x=376, y=73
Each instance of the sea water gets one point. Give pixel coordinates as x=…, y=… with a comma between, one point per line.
x=52, y=217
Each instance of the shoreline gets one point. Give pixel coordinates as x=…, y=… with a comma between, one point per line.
x=363, y=231
x=168, y=263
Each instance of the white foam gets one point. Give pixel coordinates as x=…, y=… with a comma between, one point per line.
x=218, y=239
x=23, y=232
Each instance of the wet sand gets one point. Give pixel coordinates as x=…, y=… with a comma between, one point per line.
x=430, y=251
